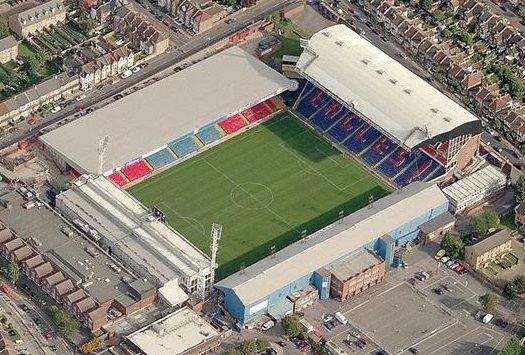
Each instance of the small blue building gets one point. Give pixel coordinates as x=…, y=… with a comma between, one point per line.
x=264, y=287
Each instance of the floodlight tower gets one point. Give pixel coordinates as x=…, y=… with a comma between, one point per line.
x=102, y=148
x=216, y=233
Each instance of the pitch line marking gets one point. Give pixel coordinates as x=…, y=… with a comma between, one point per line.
x=246, y=192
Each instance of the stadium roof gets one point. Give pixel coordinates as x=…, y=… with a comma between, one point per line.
x=396, y=100
x=144, y=121
x=334, y=242
x=174, y=334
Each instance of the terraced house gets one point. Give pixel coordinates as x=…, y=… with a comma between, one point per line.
x=37, y=18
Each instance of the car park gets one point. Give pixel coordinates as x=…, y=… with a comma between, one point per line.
x=37, y=321
x=328, y=326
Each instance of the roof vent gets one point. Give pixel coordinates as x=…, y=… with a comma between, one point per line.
x=380, y=71
x=408, y=91
x=366, y=61
x=435, y=110
x=393, y=81
x=448, y=119
x=326, y=34
x=339, y=43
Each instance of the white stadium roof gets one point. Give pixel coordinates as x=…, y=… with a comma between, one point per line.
x=152, y=117
x=334, y=242
x=392, y=97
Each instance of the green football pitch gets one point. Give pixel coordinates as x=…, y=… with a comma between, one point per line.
x=264, y=186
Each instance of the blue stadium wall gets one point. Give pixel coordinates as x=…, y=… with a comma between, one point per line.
x=276, y=303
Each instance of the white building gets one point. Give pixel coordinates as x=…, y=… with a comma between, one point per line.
x=475, y=188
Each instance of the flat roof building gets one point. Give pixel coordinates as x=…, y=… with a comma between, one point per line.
x=474, y=188
x=180, y=333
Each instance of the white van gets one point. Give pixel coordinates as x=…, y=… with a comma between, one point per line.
x=340, y=317
x=268, y=325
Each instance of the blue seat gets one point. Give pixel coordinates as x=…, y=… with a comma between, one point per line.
x=324, y=118
x=407, y=176
x=160, y=158
x=441, y=171
x=183, y=146
x=372, y=157
x=390, y=170
x=340, y=133
x=209, y=134
x=356, y=145
x=306, y=109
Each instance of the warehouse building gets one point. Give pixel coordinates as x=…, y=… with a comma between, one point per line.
x=264, y=287
x=475, y=188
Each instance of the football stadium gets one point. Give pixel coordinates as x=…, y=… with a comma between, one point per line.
x=296, y=188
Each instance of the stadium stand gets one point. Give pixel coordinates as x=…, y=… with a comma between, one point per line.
x=209, y=134
x=256, y=112
x=345, y=127
x=161, y=158
x=183, y=146
x=439, y=152
x=417, y=171
x=378, y=151
x=136, y=170
x=272, y=105
x=362, y=139
x=118, y=178
x=312, y=102
x=233, y=123
x=396, y=163
x=329, y=114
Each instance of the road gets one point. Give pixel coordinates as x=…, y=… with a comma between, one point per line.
x=155, y=66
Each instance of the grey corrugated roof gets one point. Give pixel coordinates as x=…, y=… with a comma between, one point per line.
x=437, y=222
x=334, y=242
x=481, y=179
x=152, y=117
x=388, y=94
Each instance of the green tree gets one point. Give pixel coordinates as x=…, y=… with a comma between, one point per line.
x=64, y=321
x=510, y=291
x=489, y=301
x=4, y=27
x=262, y=344
x=292, y=325
x=249, y=346
x=491, y=218
x=513, y=347
x=425, y=4
x=519, y=282
x=454, y=247
x=234, y=351
x=13, y=272
x=519, y=189
x=478, y=226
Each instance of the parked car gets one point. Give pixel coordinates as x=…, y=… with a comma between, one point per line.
x=450, y=262
x=459, y=268
x=328, y=326
x=454, y=265
x=413, y=350
x=281, y=344
x=24, y=307
x=441, y=253
x=25, y=288
x=445, y=259
x=135, y=69
x=403, y=55
x=438, y=291
x=33, y=295
x=501, y=323
x=55, y=109
x=126, y=74
x=37, y=321
x=447, y=288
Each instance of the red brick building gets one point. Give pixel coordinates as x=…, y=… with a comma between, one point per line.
x=356, y=274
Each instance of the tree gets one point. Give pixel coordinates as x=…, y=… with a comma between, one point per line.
x=4, y=27
x=91, y=346
x=519, y=189
x=262, y=344
x=425, y=4
x=510, y=291
x=489, y=301
x=292, y=325
x=65, y=322
x=491, y=218
x=519, y=282
x=487, y=220
x=13, y=272
x=513, y=347
x=454, y=247
x=249, y=346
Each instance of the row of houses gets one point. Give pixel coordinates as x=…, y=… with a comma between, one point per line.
x=455, y=63
x=67, y=291
x=139, y=32
x=35, y=18
x=26, y=102
x=98, y=61
x=197, y=15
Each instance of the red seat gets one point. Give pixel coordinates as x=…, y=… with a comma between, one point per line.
x=136, y=170
x=117, y=178
x=232, y=124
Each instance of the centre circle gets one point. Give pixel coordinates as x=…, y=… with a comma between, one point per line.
x=252, y=196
